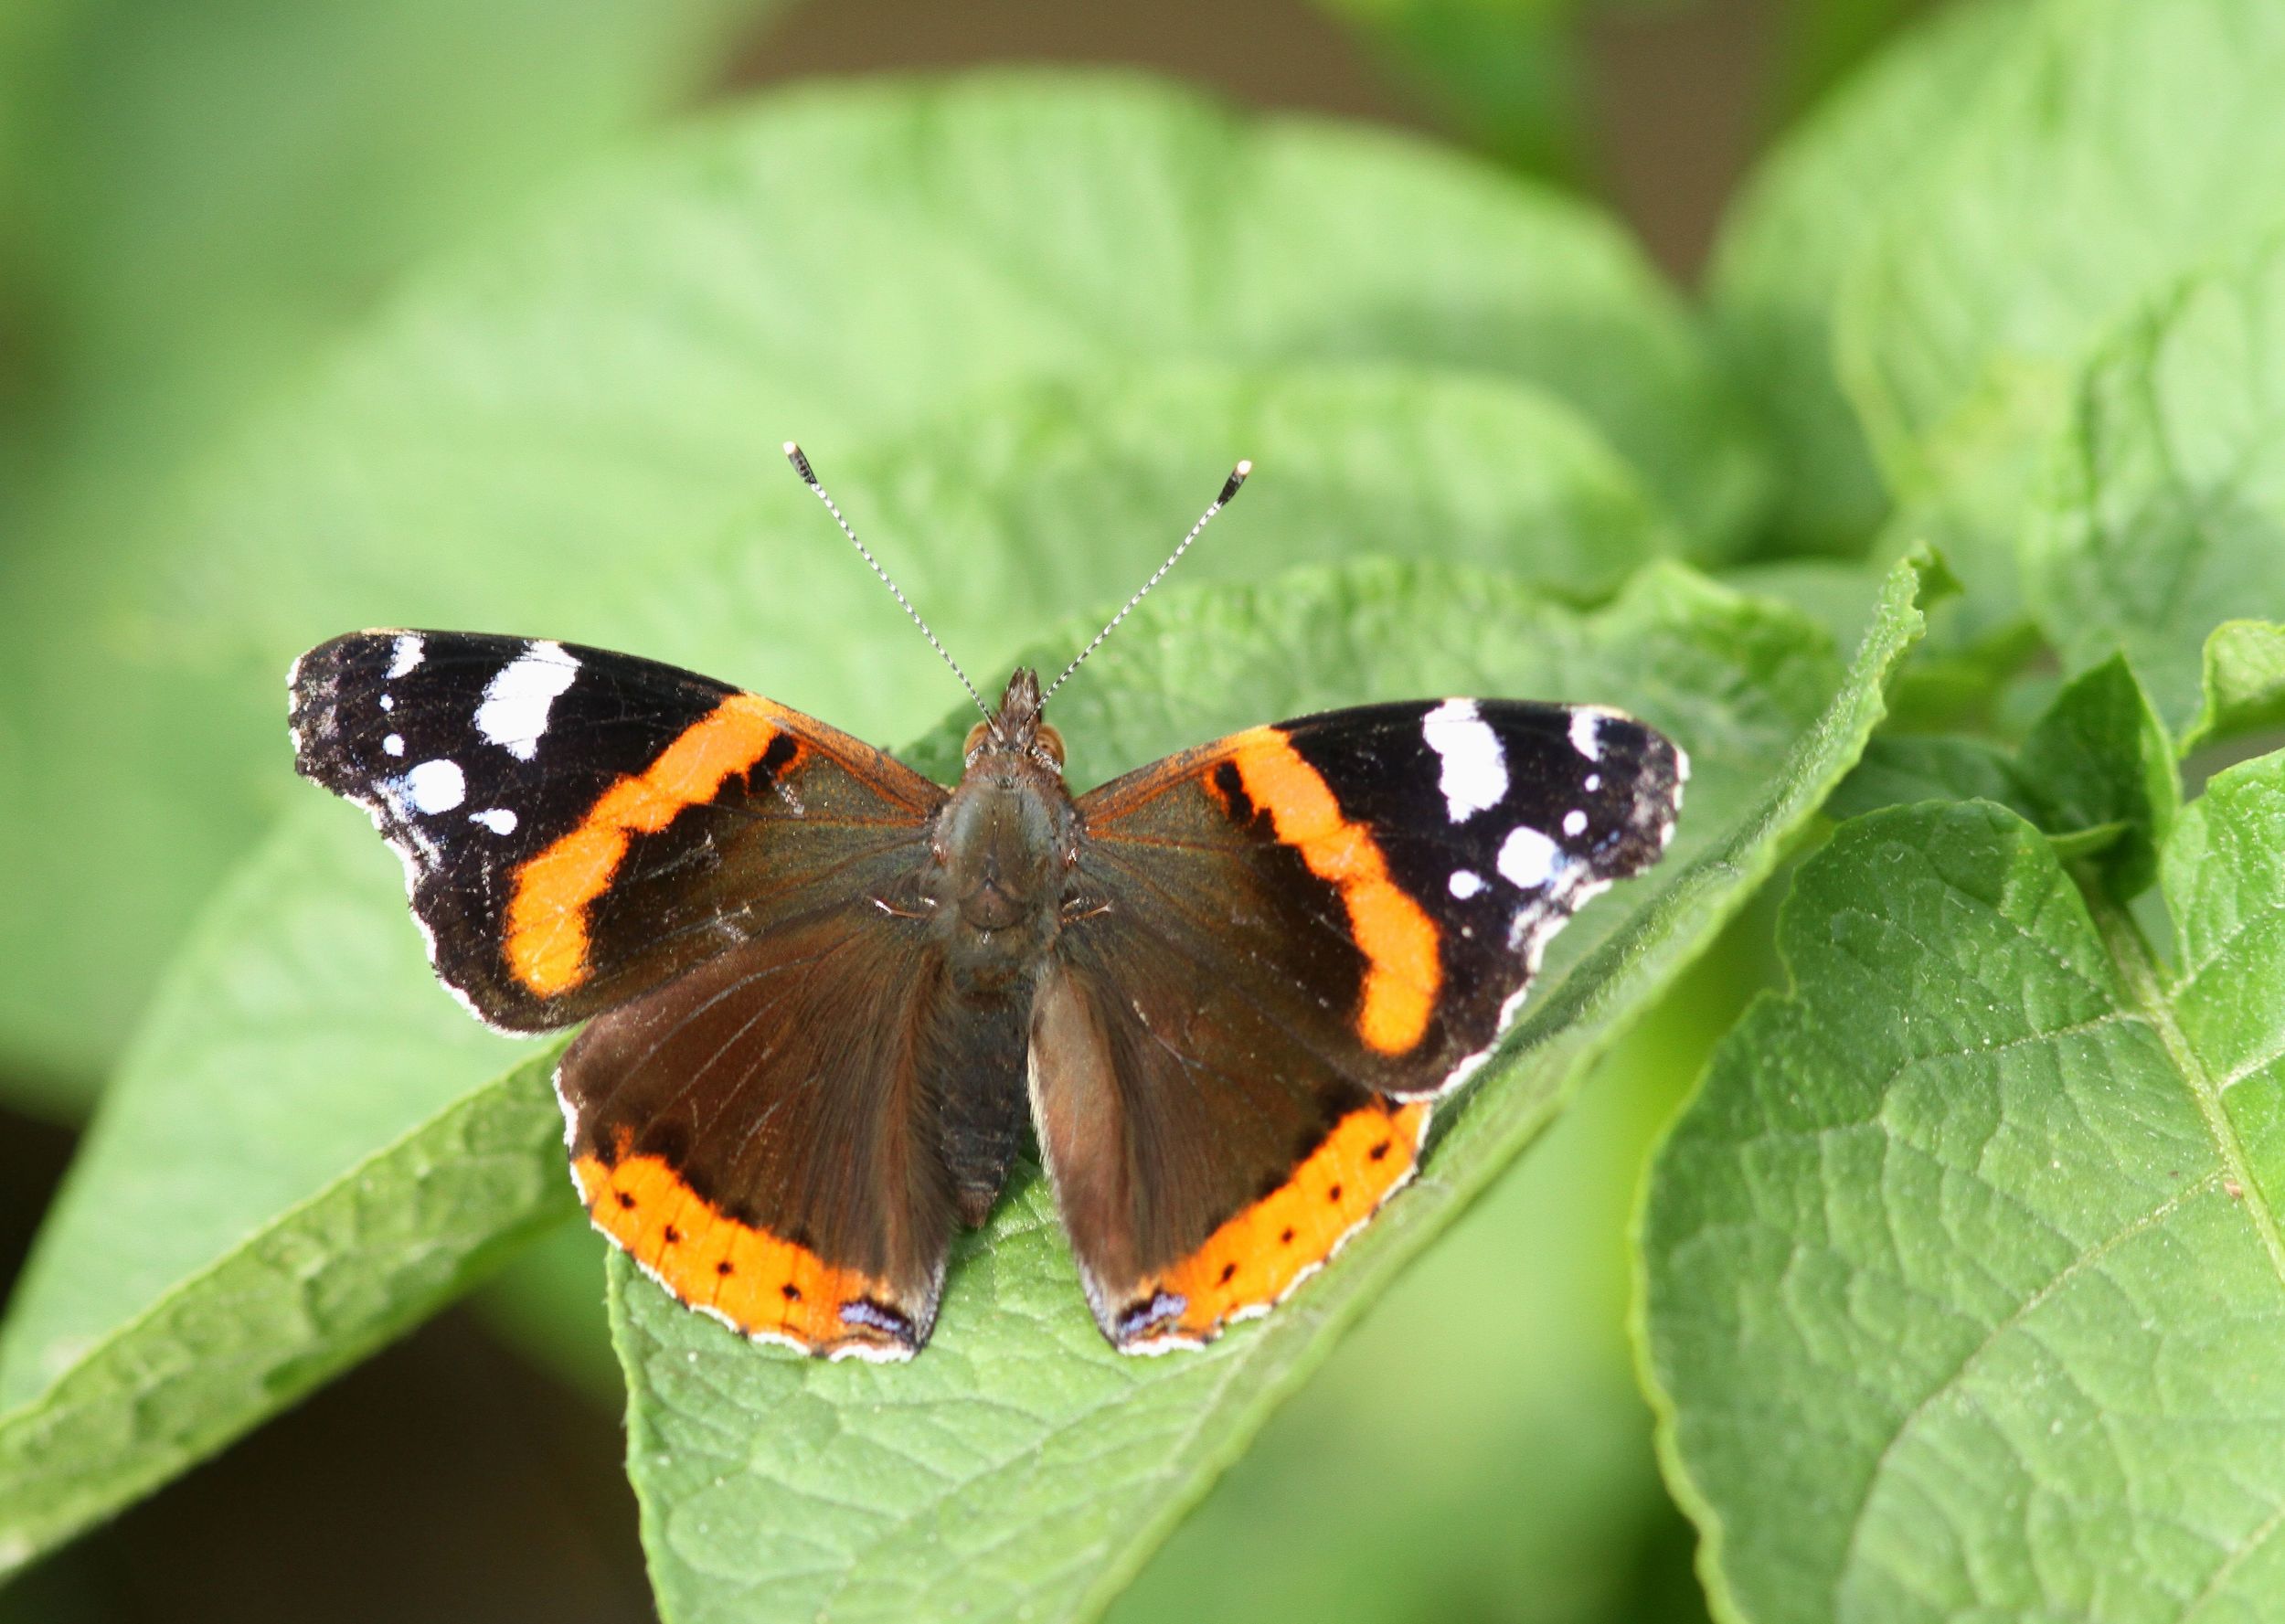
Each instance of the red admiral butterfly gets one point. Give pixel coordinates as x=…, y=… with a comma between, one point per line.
x=826, y=995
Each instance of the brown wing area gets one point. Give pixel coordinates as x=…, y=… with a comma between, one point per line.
x=1241, y=849
x=762, y=1135
x=752, y=813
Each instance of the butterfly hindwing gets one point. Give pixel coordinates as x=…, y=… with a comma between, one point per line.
x=578, y=826
x=1284, y=947
x=765, y=1136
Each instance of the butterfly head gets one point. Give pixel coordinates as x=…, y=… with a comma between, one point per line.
x=1017, y=729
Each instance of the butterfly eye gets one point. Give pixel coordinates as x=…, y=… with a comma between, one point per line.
x=975, y=737
x=1048, y=740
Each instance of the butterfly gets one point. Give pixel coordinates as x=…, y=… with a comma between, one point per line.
x=825, y=998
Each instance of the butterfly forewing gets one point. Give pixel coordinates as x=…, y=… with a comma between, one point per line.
x=578, y=826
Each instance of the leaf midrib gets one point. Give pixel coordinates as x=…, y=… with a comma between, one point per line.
x=2122, y=939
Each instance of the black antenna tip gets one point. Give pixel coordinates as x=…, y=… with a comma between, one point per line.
x=801, y=464
x=1230, y=486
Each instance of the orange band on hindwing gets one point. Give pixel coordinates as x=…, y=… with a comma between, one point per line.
x=547, y=938
x=761, y=1285
x=1257, y=1256
x=1403, y=969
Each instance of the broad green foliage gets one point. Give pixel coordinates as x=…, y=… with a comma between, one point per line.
x=2167, y=516
x=1504, y=73
x=1965, y=1288
x=1961, y=1287
x=1788, y=239
x=2122, y=143
x=1899, y=769
x=1516, y=78
x=538, y=433
x=1019, y=1462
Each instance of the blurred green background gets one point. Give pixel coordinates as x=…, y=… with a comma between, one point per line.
x=198, y=200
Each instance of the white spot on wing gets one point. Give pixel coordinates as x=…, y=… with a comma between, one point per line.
x=1575, y=823
x=1474, y=778
x=394, y=745
x=1466, y=883
x=498, y=819
x=387, y=703
x=515, y=709
x=436, y=787
x=405, y=653
x=1587, y=732
x=1528, y=858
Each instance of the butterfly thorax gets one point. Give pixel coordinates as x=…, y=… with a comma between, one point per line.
x=1003, y=847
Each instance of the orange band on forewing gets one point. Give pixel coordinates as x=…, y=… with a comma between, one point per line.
x=761, y=1284
x=1402, y=968
x=1256, y=1257
x=547, y=933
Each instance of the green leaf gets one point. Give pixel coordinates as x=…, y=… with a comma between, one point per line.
x=1905, y=769
x=2166, y=514
x=2118, y=146
x=1964, y=1290
x=1972, y=515
x=299, y=1033
x=2244, y=686
x=303, y=1032
x=543, y=430
x=1020, y=1463
x=2095, y=771
x=1777, y=270
x=2100, y=757
x=325, y=1283
x=1019, y=507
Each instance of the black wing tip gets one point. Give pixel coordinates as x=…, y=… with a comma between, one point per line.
x=1655, y=770
x=338, y=670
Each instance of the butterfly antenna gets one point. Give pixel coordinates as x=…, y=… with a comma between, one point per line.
x=1229, y=489
x=809, y=477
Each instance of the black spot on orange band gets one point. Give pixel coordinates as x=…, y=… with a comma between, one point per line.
x=764, y=1286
